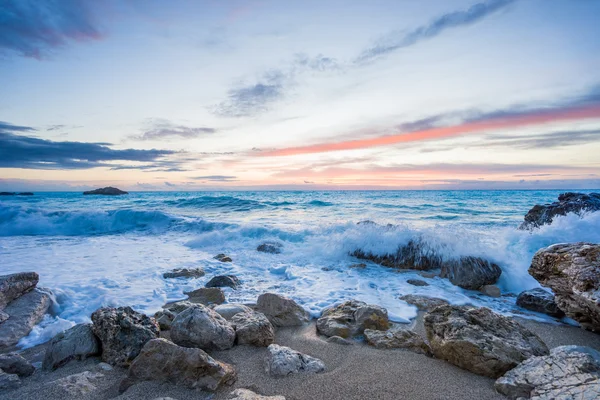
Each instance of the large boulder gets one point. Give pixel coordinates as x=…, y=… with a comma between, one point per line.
x=25, y=312
x=283, y=361
x=231, y=281
x=106, y=191
x=206, y=296
x=479, y=340
x=163, y=361
x=351, y=318
x=270, y=247
x=13, y=363
x=539, y=300
x=76, y=343
x=201, y=327
x=227, y=311
x=15, y=285
x=569, y=372
x=577, y=203
x=572, y=271
x=184, y=273
x=253, y=328
x=397, y=339
x=123, y=332
x=470, y=272
x=281, y=311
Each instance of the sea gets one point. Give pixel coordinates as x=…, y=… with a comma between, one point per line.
x=95, y=251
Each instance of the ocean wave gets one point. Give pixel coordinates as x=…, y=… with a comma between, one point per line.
x=319, y=203
x=219, y=202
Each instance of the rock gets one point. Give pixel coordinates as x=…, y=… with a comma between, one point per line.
x=281, y=311
x=423, y=303
x=25, y=312
x=479, y=340
x=397, y=339
x=227, y=311
x=572, y=271
x=577, y=203
x=245, y=394
x=223, y=258
x=416, y=254
x=163, y=361
x=270, y=247
x=184, y=273
x=206, y=296
x=358, y=266
x=491, y=290
x=339, y=340
x=177, y=306
x=471, y=272
x=569, y=372
x=123, y=332
x=78, y=342
x=223, y=280
x=107, y=191
x=283, y=361
x=201, y=327
x=541, y=301
x=15, y=285
x=253, y=328
x=104, y=366
x=9, y=381
x=417, y=282
x=351, y=318
x=164, y=318
x=3, y=316
x=429, y=274
x=76, y=385
x=13, y=363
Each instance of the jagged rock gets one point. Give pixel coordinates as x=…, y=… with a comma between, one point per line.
x=416, y=254
x=15, y=285
x=184, y=273
x=491, y=290
x=572, y=271
x=423, y=303
x=25, y=312
x=541, y=301
x=9, y=381
x=281, y=311
x=223, y=258
x=3, y=316
x=76, y=385
x=567, y=203
x=206, y=296
x=253, y=328
x=270, y=247
x=163, y=361
x=107, y=191
x=227, y=311
x=397, y=339
x=470, y=272
x=479, y=340
x=569, y=372
x=164, y=318
x=201, y=327
x=222, y=281
x=13, y=363
x=340, y=340
x=351, y=318
x=283, y=361
x=417, y=282
x=123, y=332
x=78, y=342
x=245, y=394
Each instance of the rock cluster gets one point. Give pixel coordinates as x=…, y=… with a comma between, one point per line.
x=206, y=296
x=567, y=203
x=107, y=191
x=351, y=318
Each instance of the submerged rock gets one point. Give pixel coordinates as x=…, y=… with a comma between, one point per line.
x=201, y=327
x=270, y=247
x=223, y=257
x=283, y=361
x=541, y=301
x=13, y=363
x=351, y=318
x=245, y=394
x=423, y=303
x=253, y=328
x=206, y=296
x=184, y=273
x=231, y=281
x=417, y=282
x=572, y=271
x=491, y=290
x=78, y=342
x=25, y=312
x=107, y=191
x=14, y=286
x=281, y=311
x=227, y=311
x=567, y=203
x=397, y=339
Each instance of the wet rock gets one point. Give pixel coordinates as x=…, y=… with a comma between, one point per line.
x=416, y=254
x=78, y=342
x=123, y=332
x=245, y=394
x=572, y=271
x=253, y=328
x=107, y=191
x=541, y=301
x=201, y=327
x=76, y=385
x=223, y=281
x=417, y=282
x=577, y=203
x=9, y=381
x=479, y=340
x=340, y=340
x=163, y=361
x=429, y=274
x=471, y=272
x=206, y=296
x=15, y=285
x=569, y=372
x=423, y=303
x=164, y=318
x=223, y=257
x=184, y=273
x=351, y=318
x=13, y=363
x=227, y=311
x=270, y=247
x=397, y=339
x=491, y=290
x=281, y=311
x=283, y=361
x=25, y=312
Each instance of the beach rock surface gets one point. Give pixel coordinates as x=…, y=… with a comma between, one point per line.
x=567, y=203
x=24, y=313
x=245, y=394
x=15, y=285
x=201, y=327
x=227, y=311
x=351, y=318
x=572, y=271
x=13, y=363
x=479, y=340
x=107, y=191
x=223, y=281
x=281, y=311
x=122, y=332
x=283, y=361
x=9, y=381
x=423, y=303
x=206, y=296
x=397, y=339
x=253, y=328
x=270, y=247
x=184, y=273
x=539, y=300
x=77, y=385
x=78, y=342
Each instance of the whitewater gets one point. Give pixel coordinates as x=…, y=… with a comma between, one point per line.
x=95, y=251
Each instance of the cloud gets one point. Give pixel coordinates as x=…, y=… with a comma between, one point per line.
x=163, y=129
x=169, y=184
x=35, y=28
x=215, y=178
x=6, y=127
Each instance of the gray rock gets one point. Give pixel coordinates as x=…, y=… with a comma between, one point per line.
x=417, y=282
x=281, y=311
x=227, y=311
x=201, y=327
x=107, y=191
x=9, y=381
x=76, y=343
x=163, y=361
x=177, y=306
x=223, y=281
x=471, y=272
x=25, y=312
x=123, y=332
x=253, y=328
x=397, y=339
x=572, y=271
x=270, y=247
x=423, y=303
x=340, y=340
x=206, y=296
x=351, y=318
x=569, y=372
x=77, y=385
x=15, y=285
x=164, y=318
x=184, y=273
x=3, y=316
x=491, y=290
x=541, y=301
x=223, y=258
x=479, y=340
x=283, y=361
x=245, y=394
x=416, y=254
x=577, y=203
x=13, y=363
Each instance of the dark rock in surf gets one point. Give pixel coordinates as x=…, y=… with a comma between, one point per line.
x=206, y=296
x=577, y=203
x=223, y=257
x=270, y=247
x=231, y=281
x=471, y=272
x=417, y=282
x=541, y=301
x=184, y=273
x=107, y=191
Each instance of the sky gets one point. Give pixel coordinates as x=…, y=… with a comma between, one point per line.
x=299, y=95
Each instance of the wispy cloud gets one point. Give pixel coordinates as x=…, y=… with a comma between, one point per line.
x=161, y=129
x=215, y=178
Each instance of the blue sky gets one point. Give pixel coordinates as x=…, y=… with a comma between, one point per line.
x=186, y=95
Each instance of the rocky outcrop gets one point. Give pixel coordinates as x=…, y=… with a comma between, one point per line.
x=227, y=311
x=223, y=281
x=123, y=332
x=253, y=328
x=281, y=311
x=25, y=312
x=283, y=361
x=479, y=340
x=397, y=339
x=223, y=257
x=245, y=394
x=201, y=327
x=13, y=363
x=541, y=301
x=206, y=296
x=184, y=273
x=569, y=372
x=76, y=343
x=577, y=203
x=351, y=318
x=270, y=247
x=423, y=303
x=572, y=271
x=107, y=191
x=15, y=285
x=163, y=361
